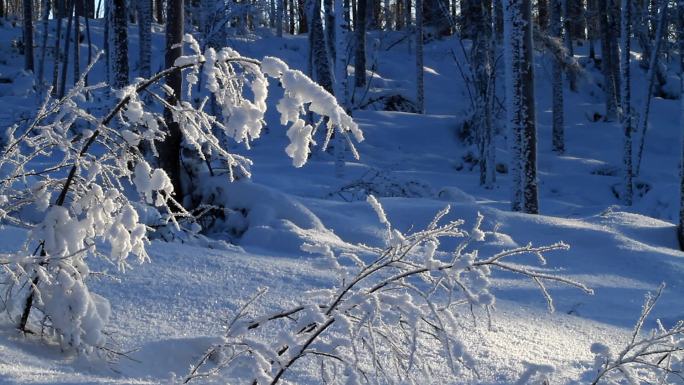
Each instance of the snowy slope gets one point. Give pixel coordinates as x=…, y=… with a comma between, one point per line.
x=168, y=312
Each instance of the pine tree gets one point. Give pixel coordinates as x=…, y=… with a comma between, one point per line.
x=319, y=50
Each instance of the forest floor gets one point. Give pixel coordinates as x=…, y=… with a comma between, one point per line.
x=166, y=313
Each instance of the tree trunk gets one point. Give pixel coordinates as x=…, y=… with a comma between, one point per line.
x=120, y=43
x=558, y=123
x=680, y=37
x=512, y=37
x=78, y=8
x=482, y=65
x=360, y=48
x=279, y=18
x=160, y=11
x=145, y=37
x=625, y=32
x=170, y=149
x=568, y=40
x=319, y=53
x=67, y=33
x=529, y=132
x=28, y=35
x=650, y=78
x=59, y=12
x=606, y=62
x=420, y=87
x=301, y=11
x=543, y=14
x=43, y=46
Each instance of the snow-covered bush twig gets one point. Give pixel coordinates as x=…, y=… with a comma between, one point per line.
x=66, y=173
x=391, y=318
x=657, y=357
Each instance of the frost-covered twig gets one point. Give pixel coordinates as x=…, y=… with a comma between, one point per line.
x=393, y=314
x=657, y=357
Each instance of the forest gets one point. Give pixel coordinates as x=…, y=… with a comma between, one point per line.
x=385, y=192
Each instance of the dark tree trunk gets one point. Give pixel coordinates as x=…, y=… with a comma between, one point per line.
x=78, y=6
x=543, y=14
x=360, y=51
x=529, y=132
x=28, y=35
x=607, y=40
x=680, y=38
x=67, y=33
x=170, y=149
x=558, y=120
x=120, y=42
x=301, y=11
x=145, y=36
x=59, y=12
x=626, y=34
x=159, y=4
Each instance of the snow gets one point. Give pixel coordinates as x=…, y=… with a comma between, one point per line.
x=168, y=312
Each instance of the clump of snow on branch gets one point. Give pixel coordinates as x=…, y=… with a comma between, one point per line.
x=395, y=307
x=79, y=202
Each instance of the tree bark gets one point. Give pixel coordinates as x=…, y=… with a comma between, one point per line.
x=120, y=43
x=360, y=48
x=625, y=32
x=170, y=149
x=420, y=87
x=558, y=119
x=145, y=37
x=28, y=35
x=529, y=132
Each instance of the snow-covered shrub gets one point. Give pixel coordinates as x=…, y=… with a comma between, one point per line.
x=391, y=317
x=656, y=357
x=77, y=181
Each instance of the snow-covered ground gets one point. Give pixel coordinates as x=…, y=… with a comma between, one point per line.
x=166, y=313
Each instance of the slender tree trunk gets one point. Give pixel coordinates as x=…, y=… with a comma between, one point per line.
x=650, y=78
x=107, y=40
x=512, y=41
x=78, y=8
x=543, y=14
x=301, y=11
x=680, y=38
x=558, y=123
x=341, y=25
x=169, y=151
x=319, y=51
x=626, y=33
x=145, y=37
x=56, y=53
x=360, y=51
x=482, y=64
x=120, y=43
x=420, y=86
x=279, y=18
x=160, y=11
x=90, y=46
x=43, y=46
x=67, y=33
x=529, y=132
x=568, y=40
x=292, y=17
x=606, y=62
x=28, y=35
x=329, y=14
